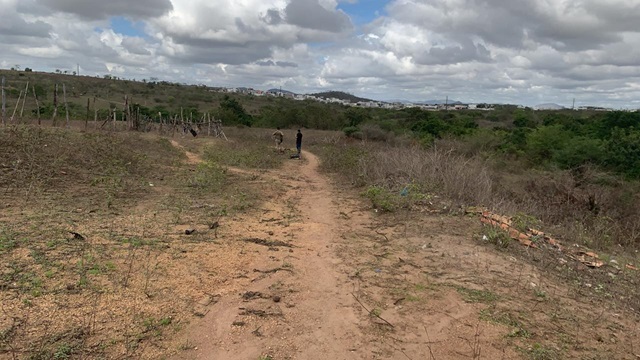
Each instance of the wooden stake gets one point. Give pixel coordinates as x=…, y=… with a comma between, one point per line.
x=86, y=118
x=16, y=108
x=35, y=96
x=175, y=119
x=4, y=100
x=55, y=105
x=26, y=91
x=125, y=109
x=66, y=106
x=95, y=113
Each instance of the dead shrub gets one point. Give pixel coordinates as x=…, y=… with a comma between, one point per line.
x=584, y=206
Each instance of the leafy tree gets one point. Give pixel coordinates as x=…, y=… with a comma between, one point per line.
x=523, y=119
x=623, y=152
x=232, y=112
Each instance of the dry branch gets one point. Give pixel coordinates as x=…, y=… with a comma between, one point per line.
x=268, y=243
x=371, y=312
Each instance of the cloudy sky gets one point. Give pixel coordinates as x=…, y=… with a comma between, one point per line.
x=506, y=51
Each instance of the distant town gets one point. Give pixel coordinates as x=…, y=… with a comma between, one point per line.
x=434, y=105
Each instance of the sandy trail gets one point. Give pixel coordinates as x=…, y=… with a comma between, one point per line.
x=354, y=285
x=316, y=317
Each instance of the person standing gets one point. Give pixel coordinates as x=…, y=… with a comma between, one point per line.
x=278, y=136
x=299, y=141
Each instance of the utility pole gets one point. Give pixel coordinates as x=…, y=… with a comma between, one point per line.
x=78, y=67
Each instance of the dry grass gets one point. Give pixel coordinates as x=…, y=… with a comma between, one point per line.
x=585, y=206
x=128, y=281
x=596, y=210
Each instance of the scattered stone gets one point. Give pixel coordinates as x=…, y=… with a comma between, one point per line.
x=238, y=323
x=77, y=236
x=206, y=300
x=250, y=295
x=189, y=231
x=276, y=299
x=270, y=233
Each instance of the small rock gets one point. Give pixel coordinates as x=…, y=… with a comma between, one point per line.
x=270, y=232
x=614, y=262
x=238, y=323
x=189, y=231
x=276, y=298
x=206, y=300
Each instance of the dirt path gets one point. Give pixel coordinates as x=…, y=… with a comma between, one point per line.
x=324, y=277
x=315, y=316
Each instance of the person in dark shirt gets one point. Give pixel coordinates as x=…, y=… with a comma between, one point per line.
x=299, y=141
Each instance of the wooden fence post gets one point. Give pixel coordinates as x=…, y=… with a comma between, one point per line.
x=125, y=111
x=35, y=96
x=86, y=118
x=55, y=105
x=95, y=114
x=66, y=106
x=16, y=108
x=4, y=100
x=26, y=91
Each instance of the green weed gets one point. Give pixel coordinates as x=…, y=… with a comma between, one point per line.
x=209, y=176
x=496, y=236
x=381, y=198
x=477, y=296
x=8, y=240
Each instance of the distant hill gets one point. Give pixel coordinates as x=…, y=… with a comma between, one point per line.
x=340, y=95
x=439, y=102
x=549, y=106
x=275, y=91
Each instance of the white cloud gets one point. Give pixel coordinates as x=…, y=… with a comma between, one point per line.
x=488, y=50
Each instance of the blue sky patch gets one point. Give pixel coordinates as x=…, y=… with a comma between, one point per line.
x=364, y=11
x=123, y=26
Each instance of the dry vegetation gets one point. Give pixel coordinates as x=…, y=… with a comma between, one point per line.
x=96, y=263
x=599, y=213
x=95, y=260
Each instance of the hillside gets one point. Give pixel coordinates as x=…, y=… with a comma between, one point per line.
x=149, y=246
x=340, y=95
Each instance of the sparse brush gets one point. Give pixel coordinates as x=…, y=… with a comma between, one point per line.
x=587, y=207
